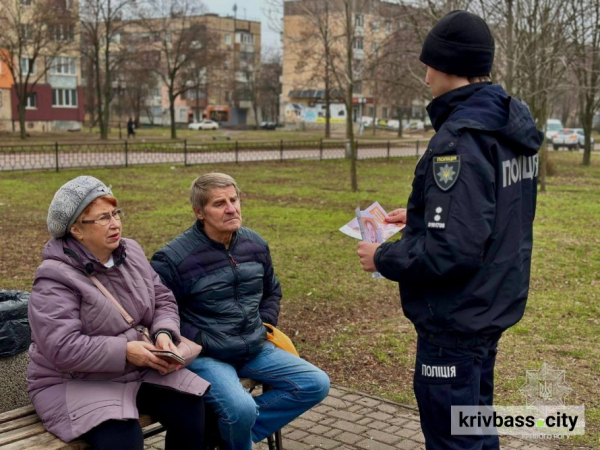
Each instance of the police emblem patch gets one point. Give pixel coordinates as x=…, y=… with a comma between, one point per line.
x=446, y=170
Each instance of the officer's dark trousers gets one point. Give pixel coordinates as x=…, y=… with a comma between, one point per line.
x=437, y=387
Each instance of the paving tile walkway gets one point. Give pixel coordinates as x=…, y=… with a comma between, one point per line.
x=348, y=420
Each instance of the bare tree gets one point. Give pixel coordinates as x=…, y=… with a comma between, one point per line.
x=34, y=33
x=585, y=35
x=269, y=86
x=175, y=30
x=198, y=73
x=138, y=83
x=101, y=32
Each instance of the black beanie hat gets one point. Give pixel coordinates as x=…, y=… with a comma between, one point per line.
x=460, y=44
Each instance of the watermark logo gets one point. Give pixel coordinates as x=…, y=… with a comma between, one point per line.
x=545, y=388
x=545, y=415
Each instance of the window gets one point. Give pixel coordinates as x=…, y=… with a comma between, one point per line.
x=358, y=87
x=358, y=43
x=26, y=32
x=27, y=66
x=227, y=39
x=156, y=92
x=370, y=111
x=375, y=26
x=63, y=65
x=359, y=20
x=374, y=47
x=31, y=101
x=388, y=27
x=26, y=2
x=244, y=38
x=62, y=32
x=64, y=98
x=227, y=96
x=384, y=113
x=183, y=114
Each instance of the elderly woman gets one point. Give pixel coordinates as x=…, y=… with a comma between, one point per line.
x=222, y=277
x=89, y=374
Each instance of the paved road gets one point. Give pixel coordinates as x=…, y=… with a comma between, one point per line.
x=348, y=420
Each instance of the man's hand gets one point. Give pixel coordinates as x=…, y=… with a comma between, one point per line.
x=138, y=353
x=163, y=342
x=366, y=252
x=397, y=216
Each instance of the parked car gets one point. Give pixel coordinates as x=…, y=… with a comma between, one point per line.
x=565, y=138
x=581, y=135
x=268, y=125
x=553, y=126
x=204, y=125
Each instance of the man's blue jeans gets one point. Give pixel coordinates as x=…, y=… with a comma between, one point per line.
x=243, y=419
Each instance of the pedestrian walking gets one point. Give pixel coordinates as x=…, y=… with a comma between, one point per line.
x=130, y=127
x=463, y=263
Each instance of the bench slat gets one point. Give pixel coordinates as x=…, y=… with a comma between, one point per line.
x=21, y=433
x=16, y=413
x=45, y=441
x=18, y=423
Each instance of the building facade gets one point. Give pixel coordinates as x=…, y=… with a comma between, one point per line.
x=221, y=90
x=375, y=25
x=55, y=102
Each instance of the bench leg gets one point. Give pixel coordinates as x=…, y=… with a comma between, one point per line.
x=274, y=441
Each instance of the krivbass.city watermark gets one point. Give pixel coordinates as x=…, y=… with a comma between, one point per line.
x=545, y=414
x=518, y=421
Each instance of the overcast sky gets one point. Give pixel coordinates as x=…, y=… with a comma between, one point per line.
x=251, y=10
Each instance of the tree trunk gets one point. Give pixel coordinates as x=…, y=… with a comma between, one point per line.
x=327, y=101
x=588, y=121
x=350, y=95
x=400, y=116
x=172, y=112
x=21, y=110
x=510, y=65
x=374, y=118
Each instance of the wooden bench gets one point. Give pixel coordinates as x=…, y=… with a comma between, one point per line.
x=22, y=429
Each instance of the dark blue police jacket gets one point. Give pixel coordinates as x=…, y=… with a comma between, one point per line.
x=464, y=260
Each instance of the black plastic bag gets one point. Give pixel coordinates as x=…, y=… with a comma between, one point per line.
x=15, y=334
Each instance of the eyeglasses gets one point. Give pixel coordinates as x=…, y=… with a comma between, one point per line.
x=105, y=219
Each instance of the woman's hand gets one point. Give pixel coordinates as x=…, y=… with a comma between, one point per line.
x=138, y=353
x=164, y=342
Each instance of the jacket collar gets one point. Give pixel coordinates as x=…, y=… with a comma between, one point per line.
x=442, y=107
x=81, y=258
x=200, y=232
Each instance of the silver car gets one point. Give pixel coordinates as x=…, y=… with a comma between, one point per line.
x=581, y=137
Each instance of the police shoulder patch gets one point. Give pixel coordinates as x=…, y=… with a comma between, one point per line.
x=446, y=170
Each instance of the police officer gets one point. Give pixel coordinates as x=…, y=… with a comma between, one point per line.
x=463, y=263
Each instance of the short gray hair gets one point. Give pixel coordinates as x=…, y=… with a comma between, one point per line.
x=201, y=187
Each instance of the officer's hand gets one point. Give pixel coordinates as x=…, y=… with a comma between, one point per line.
x=397, y=216
x=366, y=252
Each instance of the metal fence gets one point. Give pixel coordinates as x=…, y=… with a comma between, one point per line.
x=125, y=154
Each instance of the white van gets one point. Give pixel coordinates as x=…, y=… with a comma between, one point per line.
x=553, y=126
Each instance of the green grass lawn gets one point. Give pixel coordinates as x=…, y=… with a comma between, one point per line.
x=340, y=318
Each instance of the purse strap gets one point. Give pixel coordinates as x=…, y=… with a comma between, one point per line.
x=113, y=300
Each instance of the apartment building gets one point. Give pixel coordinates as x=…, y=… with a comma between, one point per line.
x=221, y=89
x=374, y=23
x=55, y=102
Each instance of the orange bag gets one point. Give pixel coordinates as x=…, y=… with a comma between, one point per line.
x=280, y=339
